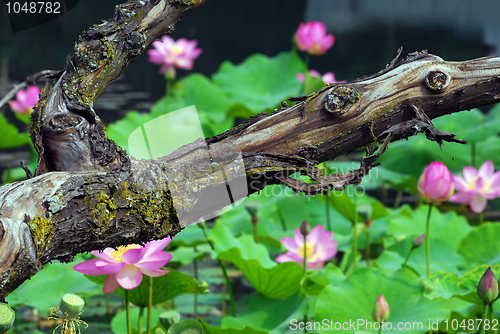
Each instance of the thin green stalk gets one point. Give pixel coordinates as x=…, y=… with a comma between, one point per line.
x=223, y=268
x=150, y=304
x=328, y=219
x=255, y=234
x=428, y=242
x=282, y=219
x=306, y=64
x=408, y=256
x=380, y=330
x=108, y=305
x=481, y=218
x=397, y=201
x=168, y=90
x=354, y=232
x=354, y=245
x=229, y=288
x=484, y=316
x=491, y=317
x=195, y=268
x=223, y=295
x=127, y=312
x=139, y=321
x=305, y=271
x=473, y=154
x=8, y=173
x=367, y=253
x=385, y=195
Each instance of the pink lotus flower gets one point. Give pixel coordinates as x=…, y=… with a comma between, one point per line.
x=125, y=265
x=26, y=100
x=319, y=248
x=328, y=78
x=312, y=38
x=380, y=309
x=436, y=183
x=170, y=53
x=477, y=187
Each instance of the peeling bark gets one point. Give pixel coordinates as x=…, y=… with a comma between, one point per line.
x=88, y=194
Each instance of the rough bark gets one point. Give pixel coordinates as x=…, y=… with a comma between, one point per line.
x=88, y=194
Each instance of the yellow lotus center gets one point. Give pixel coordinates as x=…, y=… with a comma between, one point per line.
x=190, y=331
x=118, y=253
x=309, y=250
x=472, y=184
x=177, y=50
x=316, y=49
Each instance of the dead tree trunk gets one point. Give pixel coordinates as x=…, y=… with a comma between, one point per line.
x=88, y=194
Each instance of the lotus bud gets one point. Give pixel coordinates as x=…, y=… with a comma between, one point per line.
x=380, y=309
x=305, y=228
x=312, y=38
x=417, y=242
x=436, y=183
x=487, y=289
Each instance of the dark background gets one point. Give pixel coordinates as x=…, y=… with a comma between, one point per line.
x=366, y=39
x=225, y=30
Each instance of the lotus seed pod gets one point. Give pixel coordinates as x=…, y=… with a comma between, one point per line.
x=253, y=208
x=7, y=317
x=71, y=305
x=168, y=318
x=188, y=326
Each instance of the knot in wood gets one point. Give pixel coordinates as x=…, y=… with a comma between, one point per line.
x=436, y=81
x=340, y=99
x=135, y=43
x=307, y=151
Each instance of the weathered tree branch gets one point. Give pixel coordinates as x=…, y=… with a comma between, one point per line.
x=88, y=194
